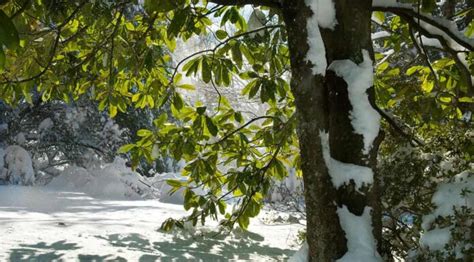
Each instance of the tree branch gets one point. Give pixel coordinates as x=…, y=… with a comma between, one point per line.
x=225, y=137
x=466, y=74
x=423, y=53
x=414, y=141
x=407, y=10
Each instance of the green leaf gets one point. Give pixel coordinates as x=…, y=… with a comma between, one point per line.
x=222, y=206
x=126, y=148
x=211, y=126
x=8, y=34
x=112, y=111
x=178, y=102
x=225, y=73
x=380, y=16
x=445, y=99
x=221, y=34
x=237, y=55
x=238, y=117
x=243, y=221
x=144, y=133
x=168, y=224
x=410, y=71
x=466, y=99
x=248, y=54
x=206, y=71
x=187, y=87
x=254, y=89
x=178, y=22
x=174, y=183
x=201, y=110
x=427, y=85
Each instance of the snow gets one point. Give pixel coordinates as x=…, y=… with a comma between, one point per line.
x=433, y=42
x=75, y=117
x=436, y=239
x=20, y=138
x=301, y=255
x=342, y=173
x=379, y=35
x=106, y=213
x=364, y=118
x=326, y=14
x=19, y=166
x=46, y=124
x=442, y=22
x=3, y=127
x=256, y=20
x=114, y=181
x=45, y=224
x=387, y=55
x=450, y=196
x=361, y=244
x=317, y=52
x=436, y=31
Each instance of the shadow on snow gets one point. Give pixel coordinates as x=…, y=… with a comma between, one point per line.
x=202, y=248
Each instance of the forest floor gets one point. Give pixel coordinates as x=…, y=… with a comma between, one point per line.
x=41, y=224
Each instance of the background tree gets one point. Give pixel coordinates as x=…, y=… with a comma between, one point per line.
x=121, y=52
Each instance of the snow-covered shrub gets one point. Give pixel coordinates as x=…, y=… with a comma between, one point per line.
x=447, y=230
x=426, y=199
x=57, y=134
x=112, y=180
x=18, y=166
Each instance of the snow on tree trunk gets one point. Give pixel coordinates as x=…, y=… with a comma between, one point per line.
x=332, y=78
x=19, y=166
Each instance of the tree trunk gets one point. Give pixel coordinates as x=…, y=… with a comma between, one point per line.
x=323, y=106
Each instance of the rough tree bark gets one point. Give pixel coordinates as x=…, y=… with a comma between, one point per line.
x=323, y=104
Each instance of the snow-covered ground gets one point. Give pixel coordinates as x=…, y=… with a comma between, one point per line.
x=47, y=224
